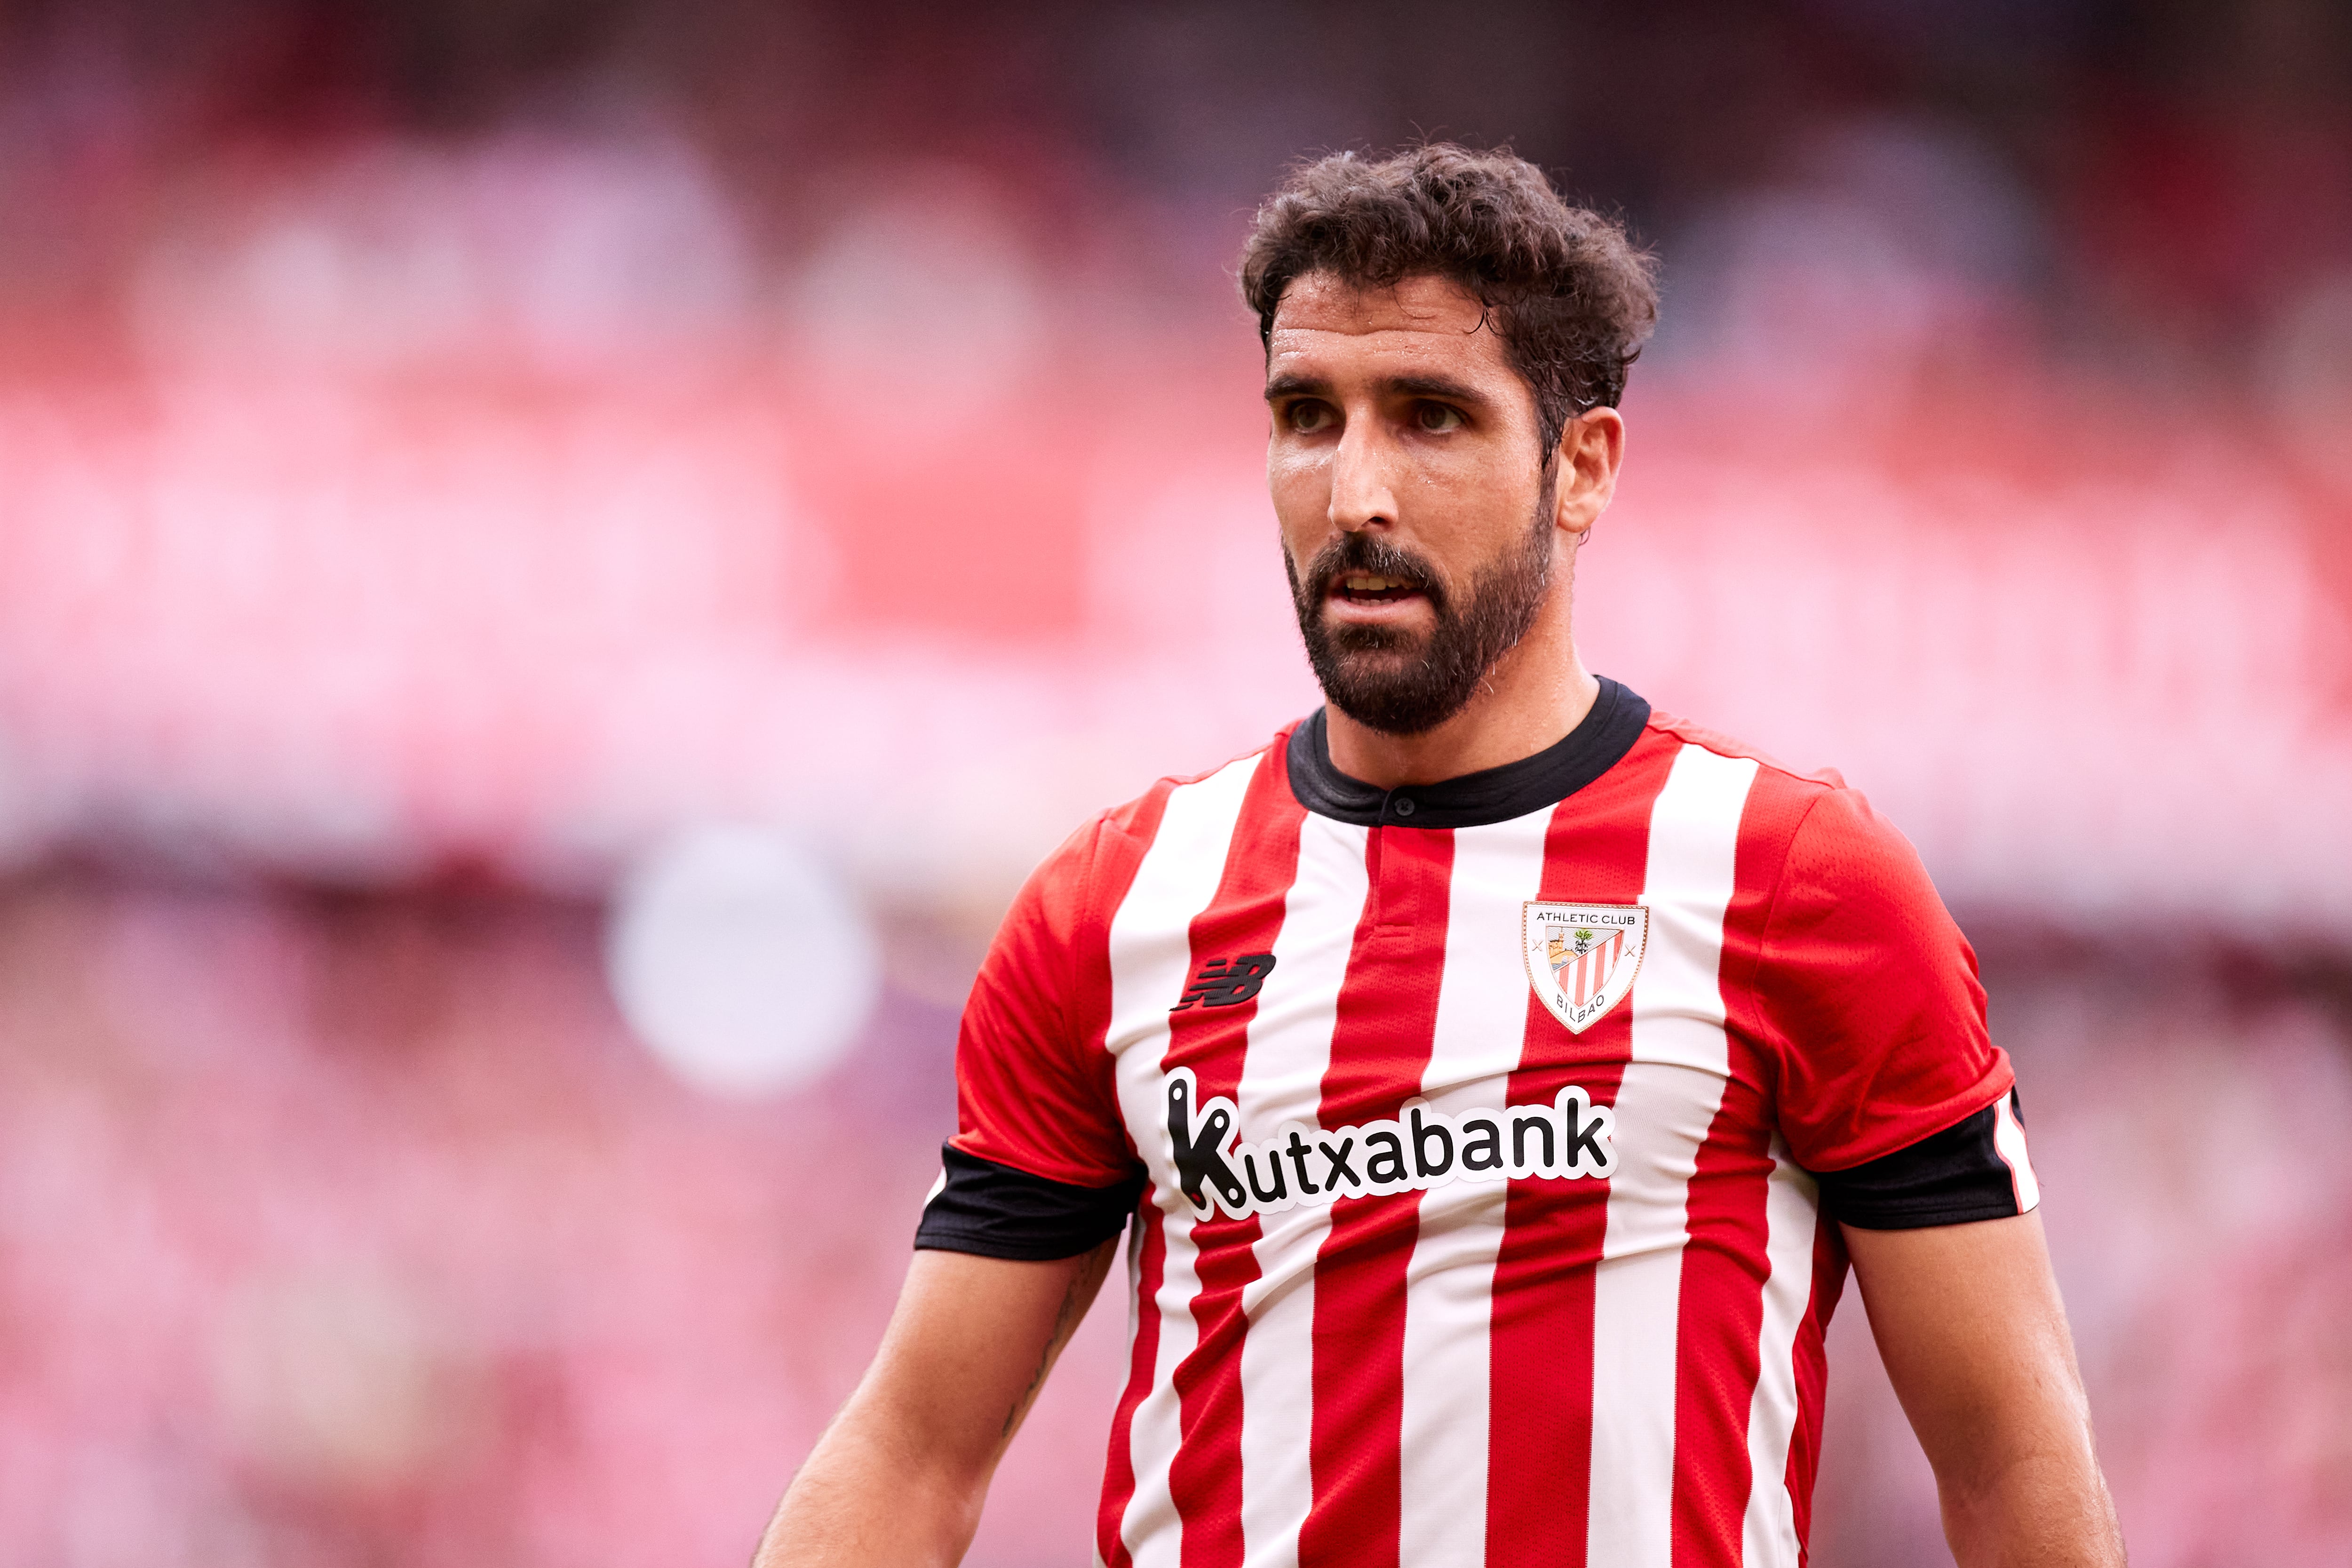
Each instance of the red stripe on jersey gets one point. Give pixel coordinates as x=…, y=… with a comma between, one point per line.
x=1724, y=1265
x=1126, y=837
x=1727, y=1261
x=1540, y=1340
x=1379, y=1048
x=1118, y=1468
x=1813, y=1372
x=1205, y=1479
x=1134, y=828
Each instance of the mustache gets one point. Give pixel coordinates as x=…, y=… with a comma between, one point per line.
x=1351, y=554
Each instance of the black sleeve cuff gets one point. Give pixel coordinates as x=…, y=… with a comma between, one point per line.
x=996, y=1210
x=1953, y=1177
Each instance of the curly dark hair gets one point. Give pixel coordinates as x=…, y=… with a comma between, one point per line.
x=1570, y=295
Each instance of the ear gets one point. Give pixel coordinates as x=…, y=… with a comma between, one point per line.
x=1591, y=449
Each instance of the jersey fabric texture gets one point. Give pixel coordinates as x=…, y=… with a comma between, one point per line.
x=1486, y=1135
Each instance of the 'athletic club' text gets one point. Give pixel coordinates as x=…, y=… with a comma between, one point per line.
x=1423, y=1147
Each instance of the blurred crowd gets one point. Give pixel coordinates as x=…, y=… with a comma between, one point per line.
x=559, y=562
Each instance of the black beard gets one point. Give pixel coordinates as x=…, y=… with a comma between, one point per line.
x=1419, y=686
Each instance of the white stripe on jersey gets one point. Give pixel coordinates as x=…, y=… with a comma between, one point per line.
x=1482, y=1022
x=1285, y=1083
x=1672, y=1090
x=1791, y=1216
x=1151, y=945
x=2009, y=1142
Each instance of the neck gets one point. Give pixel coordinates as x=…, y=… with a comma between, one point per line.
x=1533, y=697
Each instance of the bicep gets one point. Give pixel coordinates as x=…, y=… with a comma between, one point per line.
x=1970, y=1327
x=967, y=1346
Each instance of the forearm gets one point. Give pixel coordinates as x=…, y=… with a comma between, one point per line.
x=869, y=1496
x=2040, y=1507
x=897, y=1480
x=1974, y=1338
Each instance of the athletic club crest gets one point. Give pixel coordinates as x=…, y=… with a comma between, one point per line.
x=1581, y=958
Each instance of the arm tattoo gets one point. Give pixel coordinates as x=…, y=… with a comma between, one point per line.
x=1075, y=1300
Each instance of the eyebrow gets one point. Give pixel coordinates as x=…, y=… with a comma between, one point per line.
x=1289, y=385
x=1434, y=387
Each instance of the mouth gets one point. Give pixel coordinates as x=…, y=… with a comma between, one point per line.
x=1369, y=588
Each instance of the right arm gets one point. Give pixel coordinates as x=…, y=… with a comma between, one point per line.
x=899, y=1476
x=1040, y=1164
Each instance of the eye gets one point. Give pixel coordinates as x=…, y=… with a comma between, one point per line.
x=1437, y=417
x=1305, y=416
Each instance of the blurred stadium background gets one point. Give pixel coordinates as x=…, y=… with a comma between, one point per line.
x=559, y=558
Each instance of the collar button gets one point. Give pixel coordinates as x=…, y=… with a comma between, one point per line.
x=1401, y=806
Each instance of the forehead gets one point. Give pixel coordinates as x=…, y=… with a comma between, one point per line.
x=1431, y=320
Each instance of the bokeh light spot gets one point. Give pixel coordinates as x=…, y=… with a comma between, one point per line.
x=742, y=964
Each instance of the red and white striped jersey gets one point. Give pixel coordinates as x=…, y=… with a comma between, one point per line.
x=1481, y=1131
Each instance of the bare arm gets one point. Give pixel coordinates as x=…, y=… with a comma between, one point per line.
x=1968, y=1323
x=899, y=1476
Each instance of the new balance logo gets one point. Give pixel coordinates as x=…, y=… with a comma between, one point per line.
x=1223, y=984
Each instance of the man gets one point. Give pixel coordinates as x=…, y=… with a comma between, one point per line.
x=1500, y=1074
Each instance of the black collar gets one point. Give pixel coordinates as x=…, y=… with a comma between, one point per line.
x=1472, y=800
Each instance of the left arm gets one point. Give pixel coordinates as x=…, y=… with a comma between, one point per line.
x=1974, y=1337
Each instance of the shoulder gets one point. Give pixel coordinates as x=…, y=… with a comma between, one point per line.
x=1102, y=853
x=1682, y=732
x=1809, y=825
x=1139, y=818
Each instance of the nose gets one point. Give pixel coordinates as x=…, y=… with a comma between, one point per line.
x=1363, y=493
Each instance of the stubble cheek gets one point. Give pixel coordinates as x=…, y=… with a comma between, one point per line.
x=1468, y=513
x=1302, y=507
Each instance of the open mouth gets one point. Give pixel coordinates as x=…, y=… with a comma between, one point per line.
x=1371, y=588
